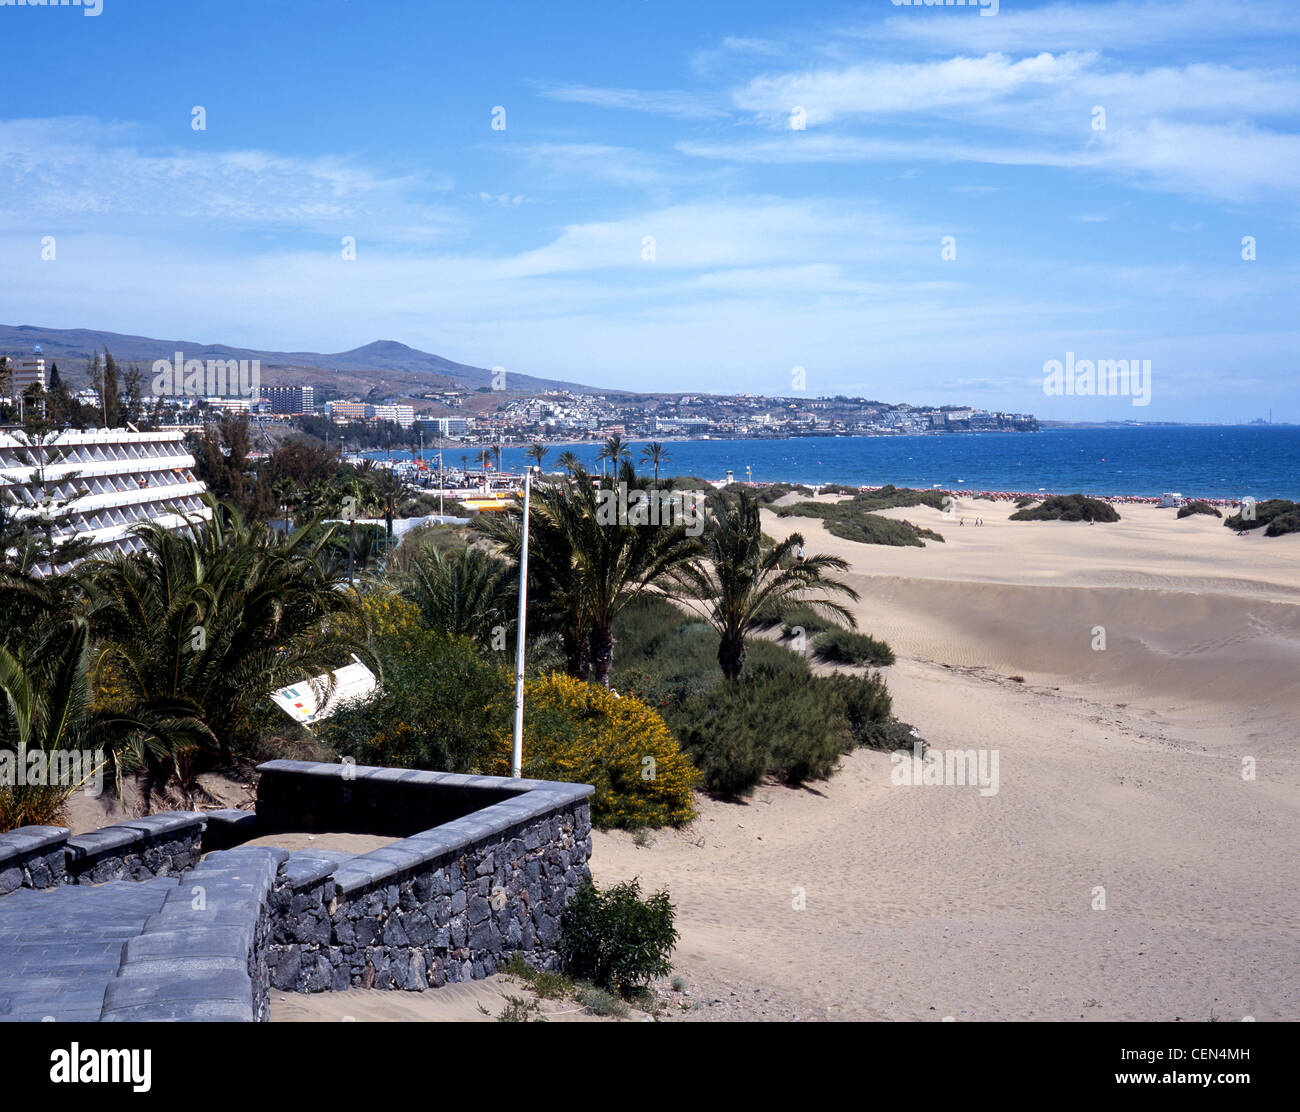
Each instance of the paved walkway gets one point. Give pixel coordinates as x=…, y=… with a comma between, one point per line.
x=59, y=948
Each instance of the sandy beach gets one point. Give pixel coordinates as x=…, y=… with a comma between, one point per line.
x=1119, y=769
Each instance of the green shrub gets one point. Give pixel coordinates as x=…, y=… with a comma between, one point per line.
x=599, y=1002
x=1025, y=500
x=1069, y=507
x=804, y=618
x=615, y=939
x=1283, y=523
x=1197, y=507
x=764, y=723
x=873, y=529
x=852, y=520
x=1265, y=514
x=891, y=497
x=867, y=709
x=442, y=706
x=843, y=646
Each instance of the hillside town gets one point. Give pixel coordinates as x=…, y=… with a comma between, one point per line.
x=483, y=415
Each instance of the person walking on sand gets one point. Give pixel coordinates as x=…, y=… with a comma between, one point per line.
x=798, y=555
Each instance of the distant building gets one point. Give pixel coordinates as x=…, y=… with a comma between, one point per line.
x=290, y=400
x=444, y=426
x=349, y=411
x=100, y=483
x=231, y=404
x=24, y=373
x=404, y=415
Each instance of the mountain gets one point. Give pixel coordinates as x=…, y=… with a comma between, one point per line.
x=385, y=365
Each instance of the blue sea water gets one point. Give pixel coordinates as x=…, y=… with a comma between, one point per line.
x=1209, y=462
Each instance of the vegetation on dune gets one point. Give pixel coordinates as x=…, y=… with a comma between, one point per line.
x=777, y=720
x=581, y=732
x=740, y=583
x=615, y=938
x=842, y=646
x=853, y=520
x=467, y=592
x=1069, y=507
x=1283, y=523
x=891, y=497
x=1197, y=507
x=166, y=657
x=1275, y=516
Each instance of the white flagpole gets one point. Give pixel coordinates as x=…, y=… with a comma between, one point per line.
x=517, y=750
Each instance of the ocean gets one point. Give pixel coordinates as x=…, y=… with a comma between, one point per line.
x=1261, y=461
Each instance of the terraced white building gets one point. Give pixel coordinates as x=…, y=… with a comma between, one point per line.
x=99, y=483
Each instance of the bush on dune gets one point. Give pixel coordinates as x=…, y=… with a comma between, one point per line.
x=1265, y=515
x=616, y=939
x=1197, y=507
x=1283, y=523
x=852, y=522
x=873, y=529
x=1069, y=507
x=891, y=497
x=582, y=733
x=846, y=647
x=766, y=724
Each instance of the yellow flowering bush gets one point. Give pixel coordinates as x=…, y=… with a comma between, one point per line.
x=381, y=615
x=579, y=732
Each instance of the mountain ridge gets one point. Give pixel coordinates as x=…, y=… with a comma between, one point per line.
x=388, y=365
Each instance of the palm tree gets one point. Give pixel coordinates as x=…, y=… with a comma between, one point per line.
x=586, y=567
x=655, y=453
x=47, y=703
x=743, y=585
x=570, y=462
x=483, y=457
x=209, y=620
x=467, y=593
x=537, y=452
x=496, y=451
x=612, y=450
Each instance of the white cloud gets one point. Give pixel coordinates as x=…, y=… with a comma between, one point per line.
x=60, y=172
x=898, y=88
x=670, y=102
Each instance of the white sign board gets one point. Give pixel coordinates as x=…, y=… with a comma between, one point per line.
x=300, y=701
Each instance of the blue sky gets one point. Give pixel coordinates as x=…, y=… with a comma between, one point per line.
x=774, y=246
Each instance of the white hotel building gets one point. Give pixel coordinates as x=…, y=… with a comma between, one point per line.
x=101, y=482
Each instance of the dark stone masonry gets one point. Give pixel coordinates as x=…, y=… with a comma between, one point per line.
x=483, y=868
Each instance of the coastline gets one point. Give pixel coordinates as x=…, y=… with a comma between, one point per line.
x=1217, y=464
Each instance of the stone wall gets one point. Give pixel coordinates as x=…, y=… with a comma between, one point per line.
x=165, y=844
x=32, y=857
x=203, y=956
x=484, y=868
x=451, y=904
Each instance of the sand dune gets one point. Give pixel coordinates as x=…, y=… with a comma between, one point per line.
x=1119, y=769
